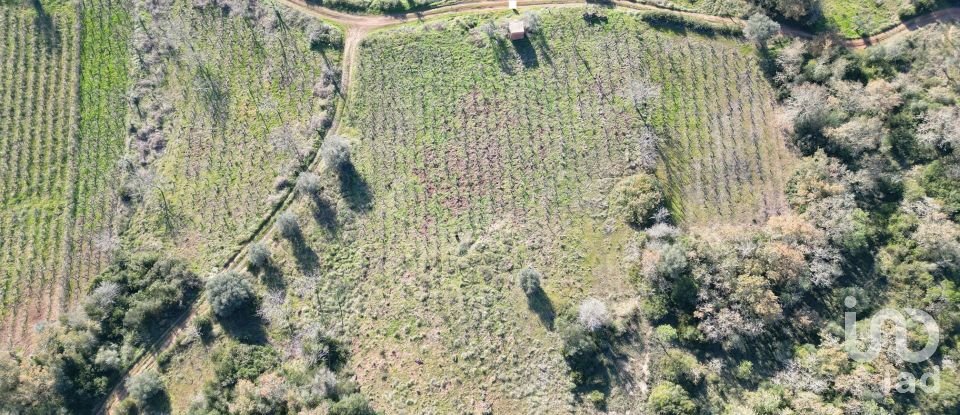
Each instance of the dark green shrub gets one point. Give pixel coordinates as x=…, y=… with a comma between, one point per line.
x=204, y=326
x=237, y=361
x=637, y=198
x=354, y=404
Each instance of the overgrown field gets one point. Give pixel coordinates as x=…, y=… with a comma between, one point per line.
x=56, y=202
x=475, y=157
x=853, y=18
x=231, y=111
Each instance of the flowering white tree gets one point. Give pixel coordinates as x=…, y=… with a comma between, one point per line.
x=593, y=314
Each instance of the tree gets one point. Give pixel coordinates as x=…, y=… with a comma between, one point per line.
x=760, y=28
x=287, y=225
x=668, y=398
x=258, y=255
x=810, y=110
x=857, y=136
x=940, y=129
x=335, y=152
x=229, y=292
x=108, y=357
x=529, y=280
x=593, y=314
x=637, y=198
x=308, y=183
x=144, y=387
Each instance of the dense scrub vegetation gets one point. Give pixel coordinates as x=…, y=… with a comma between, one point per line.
x=847, y=18
x=868, y=198
x=86, y=351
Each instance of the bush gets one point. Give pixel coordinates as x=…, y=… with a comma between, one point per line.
x=670, y=399
x=593, y=314
x=144, y=387
x=637, y=198
x=760, y=28
x=308, y=183
x=238, y=361
x=744, y=370
x=259, y=255
x=335, y=152
x=287, y=225
x=203, y=325
x=354, y=404
x=108, y=357
x=229, y=292
x=529, y=280
x=665, y=333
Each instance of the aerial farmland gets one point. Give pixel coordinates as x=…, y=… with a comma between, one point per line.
x=486, y=207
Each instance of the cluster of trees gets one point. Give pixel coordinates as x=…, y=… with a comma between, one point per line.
x=254, y=379
x=84, y=353
x=874, y=205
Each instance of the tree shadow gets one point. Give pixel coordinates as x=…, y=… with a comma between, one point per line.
x=324, y=213
x=589, y=364
x=245, y=326
x=527, y=53
x=272, y=277
x=44, y=23
x=354, y=188
x=504, y=56
x=307, y=260
x=158, y=404
x=540, y=304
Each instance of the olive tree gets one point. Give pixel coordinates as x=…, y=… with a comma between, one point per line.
x=144, y=386
x=258, y=255
x=287, y=225
x=335, y=152
x=529, y=280
x=308, y=183
x=760, y=28
x=229, y=292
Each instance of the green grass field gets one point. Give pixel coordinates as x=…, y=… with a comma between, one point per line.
x=852, y=18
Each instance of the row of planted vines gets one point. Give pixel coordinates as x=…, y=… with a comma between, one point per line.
x=460, y=130
x=38, y=69
x=64, y=74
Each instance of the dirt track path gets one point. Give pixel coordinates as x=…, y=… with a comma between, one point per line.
x=357, y=27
